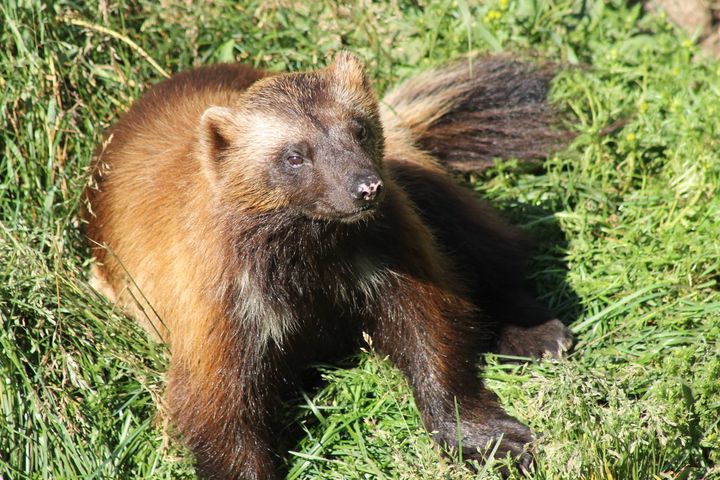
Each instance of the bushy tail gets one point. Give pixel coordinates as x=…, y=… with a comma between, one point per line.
x=473, y=111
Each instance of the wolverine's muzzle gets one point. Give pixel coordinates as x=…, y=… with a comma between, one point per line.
x=367, y=190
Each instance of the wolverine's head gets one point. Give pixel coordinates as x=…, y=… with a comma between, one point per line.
x=310, y=143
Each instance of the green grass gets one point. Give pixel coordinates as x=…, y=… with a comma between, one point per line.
x=628, y=220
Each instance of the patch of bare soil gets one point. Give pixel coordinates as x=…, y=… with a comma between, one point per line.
x=696, y=17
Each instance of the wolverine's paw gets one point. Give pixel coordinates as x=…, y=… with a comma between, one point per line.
x=551, y=338
x=496, y=437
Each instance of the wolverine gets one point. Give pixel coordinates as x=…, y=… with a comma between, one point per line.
x=258, y=222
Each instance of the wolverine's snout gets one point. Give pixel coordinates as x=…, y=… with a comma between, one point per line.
x=368, y=189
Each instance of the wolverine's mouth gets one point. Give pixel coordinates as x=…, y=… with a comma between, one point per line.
x=332, y=215
x=362, y=214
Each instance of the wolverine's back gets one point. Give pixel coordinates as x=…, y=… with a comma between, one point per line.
x=148, y=201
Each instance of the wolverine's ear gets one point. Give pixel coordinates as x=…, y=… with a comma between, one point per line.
x=216, y=130
x=347, y=68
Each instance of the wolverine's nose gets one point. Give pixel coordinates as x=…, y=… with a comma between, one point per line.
x=368, y=188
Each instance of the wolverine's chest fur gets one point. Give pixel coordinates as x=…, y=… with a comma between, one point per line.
x=301, y=277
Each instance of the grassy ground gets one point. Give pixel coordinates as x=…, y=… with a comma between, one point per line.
x=627, y=217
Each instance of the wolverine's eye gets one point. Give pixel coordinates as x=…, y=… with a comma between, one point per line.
x=296, y=155
x=295, y=160
x=361, y=130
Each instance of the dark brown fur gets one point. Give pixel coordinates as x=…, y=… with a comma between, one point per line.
x=251, y=267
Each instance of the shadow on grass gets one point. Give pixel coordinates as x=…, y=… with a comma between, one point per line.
x=547, y=267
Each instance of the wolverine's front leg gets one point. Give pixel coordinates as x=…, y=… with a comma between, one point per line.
x=221, y=397
x=432, y=336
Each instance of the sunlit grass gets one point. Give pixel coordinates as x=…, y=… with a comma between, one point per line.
x=627, y=218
